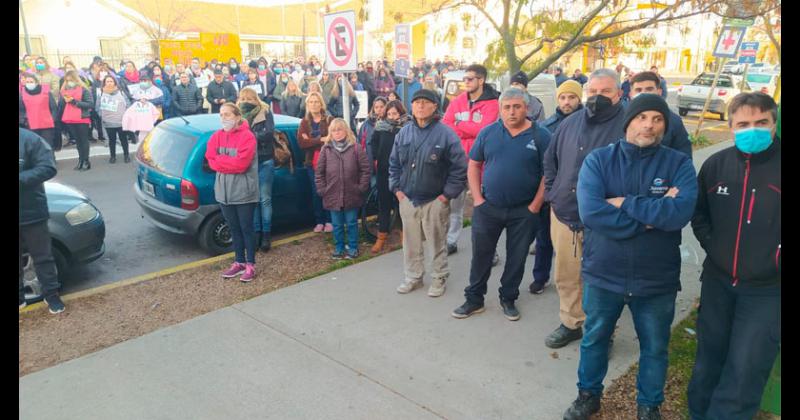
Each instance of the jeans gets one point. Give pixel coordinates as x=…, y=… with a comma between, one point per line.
x=113, y=134
x=350, y=219
x=240, y=222
x=543, y=261
x=652, y=318
x=263, y=214
x=738, y=338
x=488, y=222
x=321, y=215
x=36, y=240
x=80, y=132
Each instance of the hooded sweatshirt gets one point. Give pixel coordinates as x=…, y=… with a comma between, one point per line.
x=232, y=154
x=111, y=107
x=467, y=118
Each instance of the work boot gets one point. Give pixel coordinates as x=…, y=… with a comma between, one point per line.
x=563, y=336
x=644, y=412
x=583, y=407
x=509, y=310
x=378, y=247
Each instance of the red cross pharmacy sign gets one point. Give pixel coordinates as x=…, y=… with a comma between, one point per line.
x=340, y=42
x=728, y=42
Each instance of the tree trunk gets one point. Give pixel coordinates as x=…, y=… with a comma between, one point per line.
x=511, y=56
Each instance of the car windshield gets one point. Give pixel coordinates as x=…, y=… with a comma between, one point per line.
x=759, y=78
x=706, y=80
x=167, y=150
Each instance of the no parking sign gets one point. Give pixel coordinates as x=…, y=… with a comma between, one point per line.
x=340, y=42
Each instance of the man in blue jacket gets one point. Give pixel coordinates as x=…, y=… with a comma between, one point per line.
x=598, y=124
x=634, y=197
x=505, y=177
x=36, y=165
x=427, y=169
x=676, y=136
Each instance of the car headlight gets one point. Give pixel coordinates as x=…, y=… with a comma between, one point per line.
x=82, y=213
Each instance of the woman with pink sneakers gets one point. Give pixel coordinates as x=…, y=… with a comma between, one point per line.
x=231, y=153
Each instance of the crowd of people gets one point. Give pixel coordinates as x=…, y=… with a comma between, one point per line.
x=604, y=187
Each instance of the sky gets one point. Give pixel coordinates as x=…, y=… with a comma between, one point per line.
x=264, y=3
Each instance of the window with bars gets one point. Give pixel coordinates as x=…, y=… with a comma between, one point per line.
x=253, y=49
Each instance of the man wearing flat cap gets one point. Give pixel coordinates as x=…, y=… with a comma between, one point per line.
x=427, y=169
x=634, y=197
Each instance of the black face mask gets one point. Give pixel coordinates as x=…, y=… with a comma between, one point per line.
x=598, y=105
x=247, y=107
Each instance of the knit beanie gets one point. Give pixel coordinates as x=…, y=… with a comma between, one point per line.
x=646, y=102
x=520, y=78
x=570, y=86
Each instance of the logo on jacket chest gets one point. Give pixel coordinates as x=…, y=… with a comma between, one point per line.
x=722, y=190
x=660, y=186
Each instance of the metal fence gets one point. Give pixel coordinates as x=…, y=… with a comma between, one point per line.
x=82, y=59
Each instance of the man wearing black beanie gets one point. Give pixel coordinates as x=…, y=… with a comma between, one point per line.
x=634, y=197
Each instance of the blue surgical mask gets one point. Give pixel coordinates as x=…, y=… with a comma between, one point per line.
x=278, y=70
x=753, y=140
x=262, y=67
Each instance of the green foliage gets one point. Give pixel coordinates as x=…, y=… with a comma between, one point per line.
x=467, y=222
x=699, y=141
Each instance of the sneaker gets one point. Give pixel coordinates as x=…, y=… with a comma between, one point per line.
x=328, y=227
x=648, y=413
x=351, y=254
x=537, y=288
x=437, y=287
x=55, y=304
x=235, y=270
x=583, y=407
x=452, y=249
x=509, y=310
x=562, y=336
x=467, y=309
x=249, y=273
x=22, y=303
x=337, y=255
x=495, y=259
x=318, y=228
x=409, y=286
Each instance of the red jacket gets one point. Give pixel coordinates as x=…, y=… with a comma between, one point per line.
x=231, y=152
x=468, y=122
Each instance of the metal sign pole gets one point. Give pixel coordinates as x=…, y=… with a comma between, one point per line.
x=708, y=98
x=346, y=101
x=744, y=77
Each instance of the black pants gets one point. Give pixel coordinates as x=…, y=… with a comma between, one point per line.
x=113, y=134
x=738, y=338
x=58, y=135
x=97, y=123
x=49, y=134
x=35, y=238
x=80, y=132
x=488, y=223
x=386, y=202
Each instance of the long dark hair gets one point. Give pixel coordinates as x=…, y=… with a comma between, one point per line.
x=397, y=105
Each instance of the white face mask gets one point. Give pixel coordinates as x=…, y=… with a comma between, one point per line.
x=228, y=125
x=30, y=86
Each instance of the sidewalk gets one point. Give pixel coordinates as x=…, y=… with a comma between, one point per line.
x=344, y=346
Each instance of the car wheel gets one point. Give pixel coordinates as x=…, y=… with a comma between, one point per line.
x=215, y=235
x=30, y=281
x=683, y=111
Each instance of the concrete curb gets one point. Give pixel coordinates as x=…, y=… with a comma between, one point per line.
x=156, y=274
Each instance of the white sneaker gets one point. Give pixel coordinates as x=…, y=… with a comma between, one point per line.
x=409, y=286
x=437, y=287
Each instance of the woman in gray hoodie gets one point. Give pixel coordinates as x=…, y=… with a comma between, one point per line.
x=111, y=105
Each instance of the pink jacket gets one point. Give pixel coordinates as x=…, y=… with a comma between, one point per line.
x=140, y=117
x=468, y=122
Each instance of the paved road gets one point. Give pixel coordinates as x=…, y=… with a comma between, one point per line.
x=133, y=245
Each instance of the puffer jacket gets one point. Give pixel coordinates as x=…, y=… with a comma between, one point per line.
x=293, y=105
x=342, y=177
x=620, y=253
x=186, y=100
x=36, y=165
x=232, y=155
